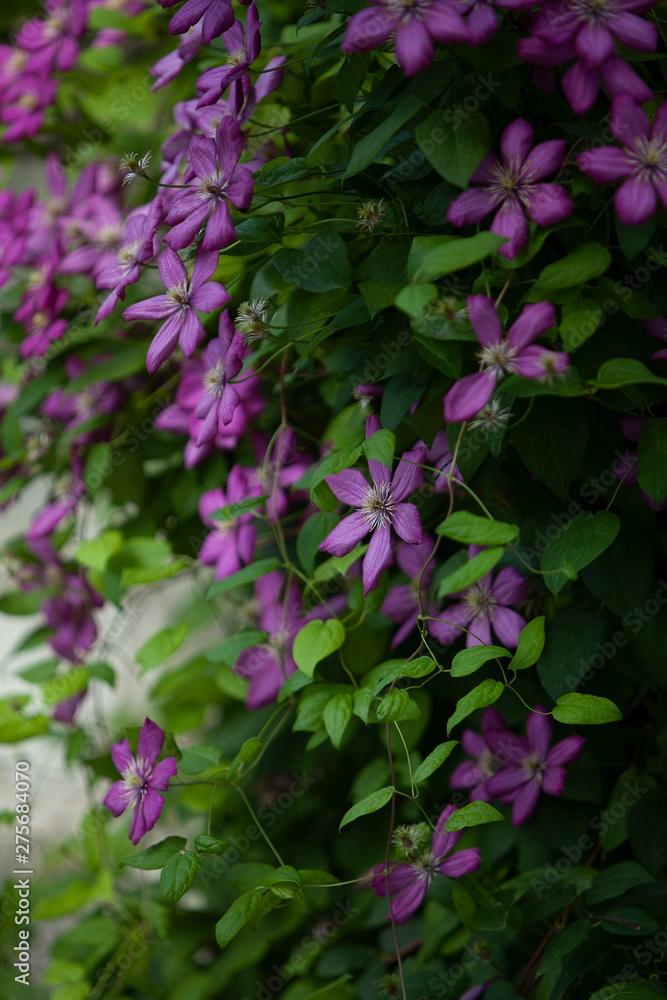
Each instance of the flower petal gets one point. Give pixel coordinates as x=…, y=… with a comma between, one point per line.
x=409, y=475
x=567, y=750
x=535, y=319
x=635, y=201
x=349, y=486
x=378, y=557
x=461, y=863
x=407, y=524
x=151, y=738
x=525, y=803
x=469, y=395
x=346, y=535
x=117, y=798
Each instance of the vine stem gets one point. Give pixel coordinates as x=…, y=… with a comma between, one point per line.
x=397, y=949
x=258, y=824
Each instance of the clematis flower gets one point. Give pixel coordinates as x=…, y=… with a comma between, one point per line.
x=643, y=161
x=68, y=490
x=439, y=455
x=416, y=25
x=240, y=56
x=408, y=883
x=224, y=358
x=216, y=16
x=402, y=603
x=139, y=247
x=177, y=307
x=592, y=26
x=380, y=507
x=626, y=468
x=69, y=613
x=511, y=185
x=534, y=768
x=231, y=543
x=220, y=181
x=142, y=780
x=268, y=666
x=499, y=357
x=489, y=750
x=657, y=328
x=483, y=605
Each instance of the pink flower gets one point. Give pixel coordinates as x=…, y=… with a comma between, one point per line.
x=224, y=358
x=408, y=883
x=231, y=543
x=402, y=603
x=512, y=187
x=177, y=307
x=416, y=24
x=534, y=768
x=380, y=507
x=643, y=161
x=489, y=751
x=214, y=82
x=142, y=780
x=499, y=357
x=216, y=16
x=483, y=605
x=268, y=666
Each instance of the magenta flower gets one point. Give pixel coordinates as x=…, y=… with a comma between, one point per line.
x=68, y=490
x=483, y=605
x=77, y=408
x=69, y=613
x=268, y=666
x=657, y=328
x=380, y=507
x=402, y=603
x=416, y=25
x=214, y=82
x=280, y=470
x=224, y=358
x=439, y=455
x=489, y=751
x=500, y=357
x=220, y=181
x=139, y=247
x=626, y=468
x=168, y=68
x=142, y=780
x=231, y=543
x=44, y=325
x=24, y=105
x=643, y=161
x=512, y=187
x=216, y=16
x=177, y=307
x=52, y=39
x=409, y=882
x=534, y=768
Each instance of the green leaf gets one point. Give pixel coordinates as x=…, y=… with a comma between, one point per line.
x=321, y=265
x=413, y=299
x=470, y=529
x=363, y=698
x=653, y=459
x=393, y=706
x=22, y=602
x=96, y=553
x=245, y=575
x=194, y=760
x=455, y=148
x=622, y=575
x=258, y=233
x=618, y=372
x=579, y=322
x=380, y=447
x=315, y=641
x=341, y=459
x=178, y=875
x=587, y=262
x=482, y=696
x=157, y=855
x=577, y=544
x=531, y=644
x=552, y=444
x=161, y=646
x=572, y=640
x=629, y=920
x=564, y=942
x=467, y=661
x=231, y=511
x=615, y=881
x=336, y=716
x=249, y=752
x=624, y=991
x=311, y=535
x=474, y=814
x=131, y=576
x=471, y=571
x=15, y=727
x=229, y=650
x=338, y=565
x=422, y=666
x=585, y=710
x=126, y=361
x=64, y=685
x=241, y=912
x=371, y=146
x=436, y=757
x=206, y=844
x=373, y=802
x=457, y=254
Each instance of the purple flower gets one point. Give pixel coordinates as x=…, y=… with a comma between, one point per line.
x=231, y=543
x=216, y=16
x=499, y=357
x=279, y=471
x=489, y=753
x=220, y=181
x=177, y=307
x=140, y=247
x=416, y=25
x=142, y=780
x=591, y=26
x=533, y=767
x=53, y=39
x=408, y=883
x=439, y=455
x=643, y=161
x=214, y=82
x=24, y=104
x=69, y=613
x=380, y=507
x=483, y=605
x=268, y=666
x=77, y=408
x=68, y=490
x=224, y=358
x=657, y=328
x=168, y=68
x=511, y=186
x=402, y=603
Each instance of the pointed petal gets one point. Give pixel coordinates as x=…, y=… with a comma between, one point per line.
x=594, y=43
x=507, y=625
x=510, y=221
x=461, y=863
x=164, y=343
x=192, y=333
x=408, y=901
x=414, y=49
x=484, y=320
x=171, y=268
x=468, y=396
x=162, y=772
x=471, y=206
x=539, y=729
x=346, y=535
x=409, y=475
x=117, y=799
x=515, y=142
x=545, y=159
x=407, y=524
x=121, y=755
x=535, y=319
x=635, y=201
x=349, y=486
x=547, y=203
x=151, y=739
x=525, y=803
x=567, y=750
x=378, y=557
x=454, y=619
x=509, y=586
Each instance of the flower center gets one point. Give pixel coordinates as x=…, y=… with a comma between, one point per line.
x=593, y=10
x=215, y=379
x=379, y=506
x=238, y=57
x=425, y=867
x=479, y=599
x=534, y=767
x=498, y=358
x=127, y=255
x=180, y=295
x=63, y=488
x=85, y=401
x=134, y=776
x=211, y=188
